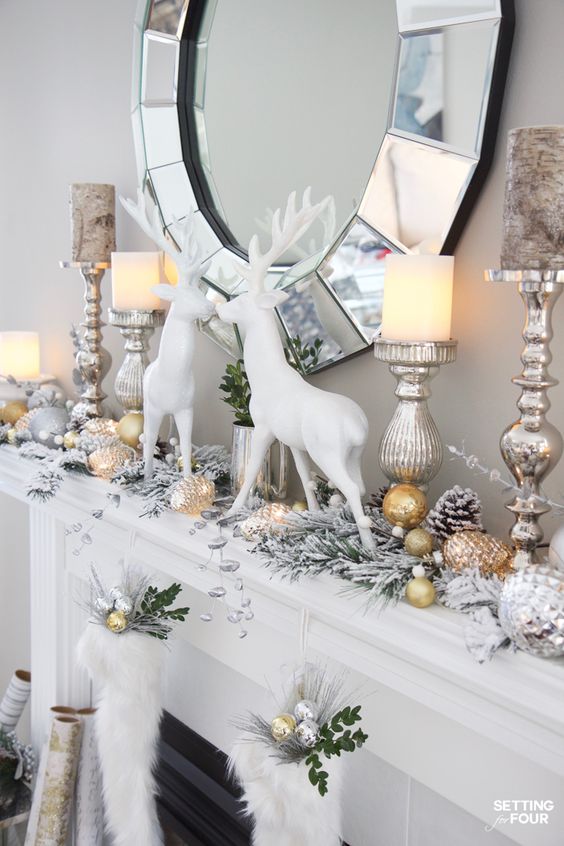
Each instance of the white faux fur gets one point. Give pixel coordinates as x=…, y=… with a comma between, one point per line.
x=287, y=809
x=127, y=672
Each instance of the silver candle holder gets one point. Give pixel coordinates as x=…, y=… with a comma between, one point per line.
x=136, y=326
x=531, y=447
x=92, y=360
x=411, y=449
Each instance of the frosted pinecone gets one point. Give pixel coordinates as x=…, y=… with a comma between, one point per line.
x=457, y=509
x=377, y=499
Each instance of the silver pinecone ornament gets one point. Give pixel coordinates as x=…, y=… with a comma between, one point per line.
x=456, y=510
x=531, y=610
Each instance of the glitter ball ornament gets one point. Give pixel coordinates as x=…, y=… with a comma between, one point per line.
x=307, y=733
x=51, y=421
x=106, y=462
x=268, y=520
x=192, y=495
x=130, y=429
x=12, y=411
x=299, y=505
x=282, y=727
x=306, y=710
x=116, y=621
x=100, y=427
x=405, y=505
x=531, y=610
x=70, y=440
x=11, y=436
x=22, y=424
x=420, y=592
x=418, y=542
x=476, y=549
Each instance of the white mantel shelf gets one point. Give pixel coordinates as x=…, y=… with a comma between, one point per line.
x=516, y=700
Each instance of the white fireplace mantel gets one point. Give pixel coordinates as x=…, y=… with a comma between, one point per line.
x=515, y=701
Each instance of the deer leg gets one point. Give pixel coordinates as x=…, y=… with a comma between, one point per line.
x=355, y=468
x=302, y=466
x=262, y=441
x=151, y=423
x=184, y=420
x=342, y=478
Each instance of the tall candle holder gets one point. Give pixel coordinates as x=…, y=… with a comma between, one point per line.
x=136, y=326
x=531, y=447
x=92, y=360
x=411, y=448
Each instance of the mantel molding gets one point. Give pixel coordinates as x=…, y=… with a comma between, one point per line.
x=515, y=701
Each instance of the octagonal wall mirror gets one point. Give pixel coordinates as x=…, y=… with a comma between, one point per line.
x=389, y=106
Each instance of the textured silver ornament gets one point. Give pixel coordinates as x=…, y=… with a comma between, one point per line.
x=306, y=710
x=52, y=421
x=307, y=733
x=103, y=605
x=531, y=610
x=124, y=603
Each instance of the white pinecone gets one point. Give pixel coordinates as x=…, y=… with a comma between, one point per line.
x=457, y=509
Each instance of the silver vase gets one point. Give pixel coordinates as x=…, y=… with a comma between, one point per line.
x=265, y=486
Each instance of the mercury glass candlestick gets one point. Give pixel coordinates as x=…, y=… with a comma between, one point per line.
x=93, y=362
x=531, y=447
x=411, y=449
x=136, y=326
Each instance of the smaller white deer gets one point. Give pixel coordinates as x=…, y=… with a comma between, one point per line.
x=329, y=427
x=168, y=385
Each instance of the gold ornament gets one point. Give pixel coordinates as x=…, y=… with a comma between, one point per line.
x=283, y=727
x=11, y=436
x=106, y=462
x=116, y=621
x=420, y=592
x=299, y=505
x=405, y=505
x=180, y=464
x=22, y=425
x=100, y=427
x=418, y=542
x=268, y=520
x=12, y=411
x=192, y=495
x=130, y=428
x=70, y=439
x=476, y=549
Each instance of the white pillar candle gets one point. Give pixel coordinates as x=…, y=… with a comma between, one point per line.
x=133, y=276
x=19, y=355
x=417, y=298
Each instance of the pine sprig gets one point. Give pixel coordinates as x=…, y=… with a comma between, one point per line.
x=334, y=738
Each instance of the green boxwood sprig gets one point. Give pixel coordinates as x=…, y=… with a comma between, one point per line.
x=334, y=738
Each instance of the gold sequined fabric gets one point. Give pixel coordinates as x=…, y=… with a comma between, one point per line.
x=476, y=549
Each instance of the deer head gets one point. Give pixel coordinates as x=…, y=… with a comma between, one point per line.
x=244, y=308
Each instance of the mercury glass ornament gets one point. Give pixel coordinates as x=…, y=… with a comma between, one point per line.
x=192, y=495
x=13, y=411
x=405, y=505
x=130, y=429
x=268, y=520
x=476, y=549
x=306, y=710
x=50, y=420
x=418, y=542
x=116, y=621
x=307, y=733
x=282, y=727
x=531, y=610
x=101, y=427
x=107, y=461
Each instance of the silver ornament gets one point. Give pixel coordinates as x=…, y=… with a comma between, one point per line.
x=531, y=610
x=116, y=593
x=306, y=710
x=307, y=733
x=51, y=421
x=103, y=604
x=124, y=603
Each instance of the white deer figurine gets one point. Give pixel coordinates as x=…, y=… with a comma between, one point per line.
x=329, y=427
x=168, y=385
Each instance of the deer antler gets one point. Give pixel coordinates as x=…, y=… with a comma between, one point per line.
x=283, y=236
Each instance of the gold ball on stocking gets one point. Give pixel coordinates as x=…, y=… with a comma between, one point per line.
x=405, y=505
x=11, y=436
x=107, y=461
x=418, y=542
x=101, y=427
x=476, y=549
x=22, y=424
x=192, y=495
x=270, y=519
x=70, y=439
x=12, y=411
x=116, y=621
x=283, y=727
x=130, y=429
x=420, y=591
x=299, y=505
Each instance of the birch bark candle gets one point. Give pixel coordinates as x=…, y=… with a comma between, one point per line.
x=533, y=219
x=93, y=221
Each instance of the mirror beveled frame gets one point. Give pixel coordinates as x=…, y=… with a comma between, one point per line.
x=168, y=130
